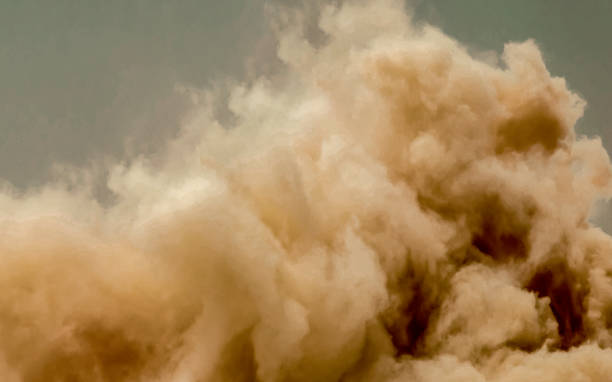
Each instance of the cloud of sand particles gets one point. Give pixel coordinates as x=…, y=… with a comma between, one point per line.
x=384, y=207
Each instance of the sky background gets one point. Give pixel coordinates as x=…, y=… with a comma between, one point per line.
x=88, y=79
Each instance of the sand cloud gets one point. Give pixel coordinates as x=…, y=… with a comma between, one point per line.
x=385, y=207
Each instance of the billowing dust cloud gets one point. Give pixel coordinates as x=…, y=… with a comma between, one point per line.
x=385, y=207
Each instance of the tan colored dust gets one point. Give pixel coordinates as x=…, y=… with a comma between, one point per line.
x=384, y=208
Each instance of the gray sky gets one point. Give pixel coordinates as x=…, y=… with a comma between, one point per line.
x=80, y=78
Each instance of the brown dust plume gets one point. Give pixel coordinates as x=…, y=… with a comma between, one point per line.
x=384, y=207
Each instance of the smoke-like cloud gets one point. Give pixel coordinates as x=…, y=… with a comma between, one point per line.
x=384, y=208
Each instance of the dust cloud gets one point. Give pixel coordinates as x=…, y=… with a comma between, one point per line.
x=385, y=207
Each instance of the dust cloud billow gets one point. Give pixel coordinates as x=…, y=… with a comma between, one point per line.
x=384, y=207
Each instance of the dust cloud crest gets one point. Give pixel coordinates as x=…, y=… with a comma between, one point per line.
x=386, y=207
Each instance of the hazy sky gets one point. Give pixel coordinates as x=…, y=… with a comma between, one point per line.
x=80, y=80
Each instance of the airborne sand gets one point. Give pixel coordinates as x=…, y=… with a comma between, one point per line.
x=384, y=208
